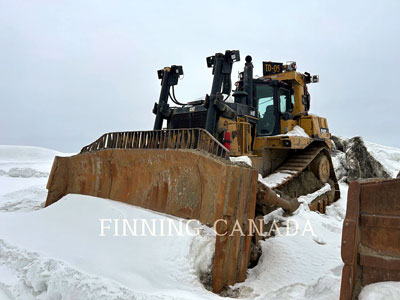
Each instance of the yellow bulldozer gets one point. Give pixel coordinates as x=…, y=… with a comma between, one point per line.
x=185, y=166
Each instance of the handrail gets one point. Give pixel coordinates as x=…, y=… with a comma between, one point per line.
x=193, y=138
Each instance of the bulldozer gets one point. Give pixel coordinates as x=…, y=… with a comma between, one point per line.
x=184, y=166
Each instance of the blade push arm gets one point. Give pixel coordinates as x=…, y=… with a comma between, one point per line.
x=222, y=70
x=169, y=77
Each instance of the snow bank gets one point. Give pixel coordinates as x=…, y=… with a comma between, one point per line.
x=62, y=246
x=26, y=161
x=389, y=157
x=10, y=185
x=30, y=198
x=27, y=275
x=21, y=168
x=388, y=290
x=12, y=153
x=26, y=173
x=56, y=253
x=4, y=296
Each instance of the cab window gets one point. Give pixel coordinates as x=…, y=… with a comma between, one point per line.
x=265, y=98
x=285, y=100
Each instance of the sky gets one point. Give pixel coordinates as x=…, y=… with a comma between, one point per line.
x=73, y=70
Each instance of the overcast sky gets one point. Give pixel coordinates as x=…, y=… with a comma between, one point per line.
x=73, y=70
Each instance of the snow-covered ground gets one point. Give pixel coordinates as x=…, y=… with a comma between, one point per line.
x=306, y=265
x=388, y=290
x=23, y=176
x=58, y=253
x=389, y=157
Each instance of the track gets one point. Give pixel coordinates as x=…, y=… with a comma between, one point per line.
x=299, y=163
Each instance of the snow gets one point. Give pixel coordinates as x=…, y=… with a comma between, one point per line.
x=34, y=160
x=303, y=261
x=339, y=163
x=275, y=179
x=57, y=252
x=388, y=290
x=296, y=131
x=242, y=159
x=303, y=266
x=311, y=197
x=23, y=176
x=389, y=157
x=337, y=209
x=30, y=198
x=151, y=265
x=4, y=296
x=17, y=154
x=14, y=184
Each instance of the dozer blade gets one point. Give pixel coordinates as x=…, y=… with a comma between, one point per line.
x=371, y=235
x=184, y=173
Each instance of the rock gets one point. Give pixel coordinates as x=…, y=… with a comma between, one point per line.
x=340, y=143
x=352, y=160
x=360, y=163
x=398, y=175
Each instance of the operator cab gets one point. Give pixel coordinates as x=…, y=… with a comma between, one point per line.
x=275, y=100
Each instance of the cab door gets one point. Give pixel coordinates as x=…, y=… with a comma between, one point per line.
x=267, y=97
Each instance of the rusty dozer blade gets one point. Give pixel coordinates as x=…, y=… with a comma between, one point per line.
x=371, y=235
x=185, y=173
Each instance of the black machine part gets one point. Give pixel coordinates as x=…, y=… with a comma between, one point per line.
x=214, y=104
x=248, y=81
x=169, y=77
x=222, y=70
